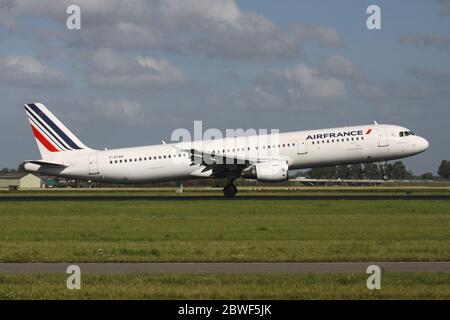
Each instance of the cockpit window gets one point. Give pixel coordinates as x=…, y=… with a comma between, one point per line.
x=406, y=133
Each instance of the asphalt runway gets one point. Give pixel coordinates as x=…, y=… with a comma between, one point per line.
x=225, y=268
x=215, y=198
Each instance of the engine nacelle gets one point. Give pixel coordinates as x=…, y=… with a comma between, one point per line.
x=270, y=171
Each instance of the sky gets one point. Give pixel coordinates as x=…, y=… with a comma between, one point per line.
x=137, y=69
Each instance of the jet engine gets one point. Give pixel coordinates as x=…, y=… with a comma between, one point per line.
x=269, y=171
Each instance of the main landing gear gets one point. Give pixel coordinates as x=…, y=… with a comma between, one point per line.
x=383, y=168
x=230, y=189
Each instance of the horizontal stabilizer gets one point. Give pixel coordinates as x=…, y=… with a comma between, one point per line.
x=47, y=163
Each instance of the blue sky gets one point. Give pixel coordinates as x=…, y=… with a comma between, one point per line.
x=139, y=69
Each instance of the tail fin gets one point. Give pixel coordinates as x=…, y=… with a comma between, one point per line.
x=52, y=137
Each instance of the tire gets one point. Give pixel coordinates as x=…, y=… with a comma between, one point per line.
x=229, y=191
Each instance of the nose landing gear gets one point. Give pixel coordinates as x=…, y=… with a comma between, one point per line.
x=384, y=171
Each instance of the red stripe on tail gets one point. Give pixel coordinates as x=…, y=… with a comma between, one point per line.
x=50, y=147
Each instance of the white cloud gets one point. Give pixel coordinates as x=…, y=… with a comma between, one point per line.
x=298, y=88
x=427, y=74
x=325, y=36
x=219, y=10
x=306, y=81
x=426, y=39
x=340, y=67
x=213, y=28
x=444, y=7
x=109, y=69
x=130, y=111
x=24, y=70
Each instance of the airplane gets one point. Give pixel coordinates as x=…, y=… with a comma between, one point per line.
x=266, y=158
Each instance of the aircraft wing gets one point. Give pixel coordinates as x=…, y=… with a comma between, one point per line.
x=222, y=165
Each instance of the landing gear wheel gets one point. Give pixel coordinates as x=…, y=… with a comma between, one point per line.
x=229, y=191
x=385, y=177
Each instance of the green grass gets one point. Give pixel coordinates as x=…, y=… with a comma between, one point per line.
x=247, y=286
x=194, y=231
x=436, y=189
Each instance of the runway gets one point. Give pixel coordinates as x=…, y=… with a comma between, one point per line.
x=372, y=197
x=225, y=268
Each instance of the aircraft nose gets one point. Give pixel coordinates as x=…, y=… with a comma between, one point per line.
x=422, y=144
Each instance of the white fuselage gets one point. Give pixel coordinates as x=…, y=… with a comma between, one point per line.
x=301, y=149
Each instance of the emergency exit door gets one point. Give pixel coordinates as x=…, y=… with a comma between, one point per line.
x=302, y=146
x=93, y=165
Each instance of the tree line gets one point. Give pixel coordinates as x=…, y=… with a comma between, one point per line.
x=396, y=171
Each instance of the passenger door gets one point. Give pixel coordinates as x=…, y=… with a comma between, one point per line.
x=382, y=137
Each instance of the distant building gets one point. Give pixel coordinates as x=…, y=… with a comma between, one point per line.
x=21, y=180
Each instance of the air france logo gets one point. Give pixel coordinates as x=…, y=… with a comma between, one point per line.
x=338, y=134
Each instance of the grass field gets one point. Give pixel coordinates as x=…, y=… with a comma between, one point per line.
x=268, y=286
x=212, y=231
